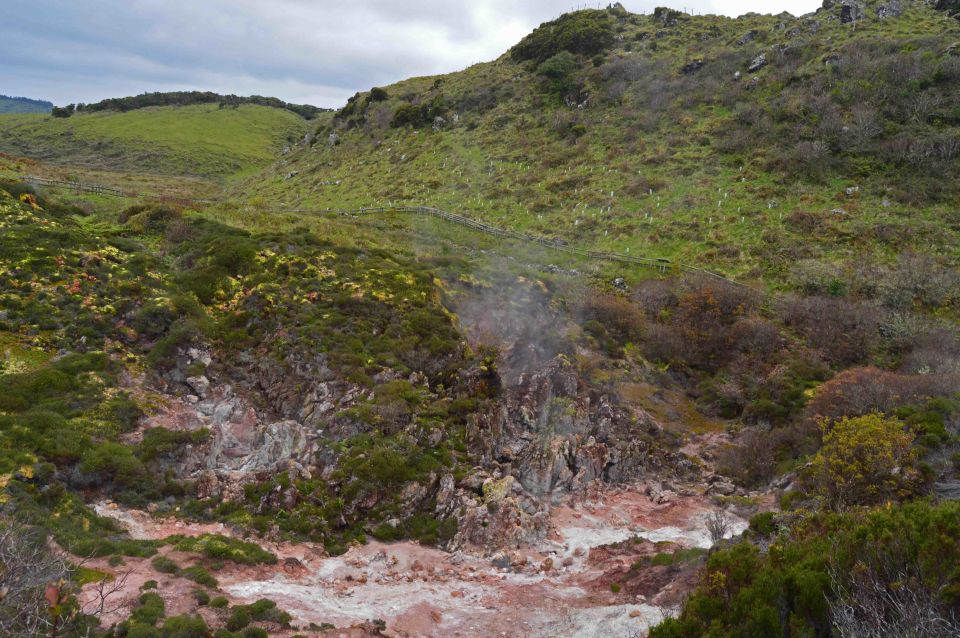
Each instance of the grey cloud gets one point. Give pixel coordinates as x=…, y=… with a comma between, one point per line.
x=299, y=50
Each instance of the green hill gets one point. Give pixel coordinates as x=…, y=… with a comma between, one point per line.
x=203, y=140
x=304, y=375
x=749, y=145
x=23, y=105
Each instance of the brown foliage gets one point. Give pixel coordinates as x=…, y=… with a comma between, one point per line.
x=842, y=330
x=859, y=391
x=621, y=319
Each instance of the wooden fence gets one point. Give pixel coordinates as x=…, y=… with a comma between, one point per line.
x=80, y=187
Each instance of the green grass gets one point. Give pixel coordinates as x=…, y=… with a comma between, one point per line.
x=658, y=171
x=199, y=140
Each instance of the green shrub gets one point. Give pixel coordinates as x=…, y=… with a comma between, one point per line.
x=115, y=463
x=201, y=596
x=744, y=592
x=160, y=442
x=763, y=524
x=218, y=546
x=239, y=618
x=185, y=627
x=148, y=218
x=165, y=565
x=558, y=70
x=864, y=460
x=154, y=318
x=219, y=602
x=419, y=115
x=140, y=630
x=199, y=575
x=254, y=632
x=586, y=32
x=151, y=608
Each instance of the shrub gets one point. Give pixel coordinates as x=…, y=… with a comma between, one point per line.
x=224, y=547
x=419, y=115
x=219, y=602
x=586, y=32
x=843, y=331
x=859, y=391
x=185, y=627
x=151, y=608
x=202, y=597
x=145, y=218
x=763, y=524
x=112, y=462
x=199, y=575
x=617, y=317
x=239, y=618
x=155, y=317
x=558, y=70
x=863, y=460
x=788, y=590
x=164, y=565
x=139, y=630
x=378, y=94
x=160, y=442
x=254, y=632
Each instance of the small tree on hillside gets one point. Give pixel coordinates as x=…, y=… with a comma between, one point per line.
x=863, y=460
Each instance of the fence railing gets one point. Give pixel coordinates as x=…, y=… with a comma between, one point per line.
x=98, y=189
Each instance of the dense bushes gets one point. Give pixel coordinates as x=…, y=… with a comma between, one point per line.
x=746, y=592
x=185, y=98
x=221, y=547
x=864, y=460
x=584, y=32
x=859, y=391
x=612, y=320
x=558, y=71
x=420, y=114
x=699, y=322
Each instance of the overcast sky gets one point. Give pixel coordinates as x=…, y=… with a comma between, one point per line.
x=306, y=51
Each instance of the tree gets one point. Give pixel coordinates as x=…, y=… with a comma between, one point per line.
x=37, y=595
x=62, y=111
x=31, y=580
x=865, y=459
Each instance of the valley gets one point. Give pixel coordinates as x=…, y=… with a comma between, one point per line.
x=647, y=328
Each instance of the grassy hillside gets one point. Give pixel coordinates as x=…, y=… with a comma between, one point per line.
x=192, y=140
x=656, y=137
x=23, y=105
x=816, y=156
